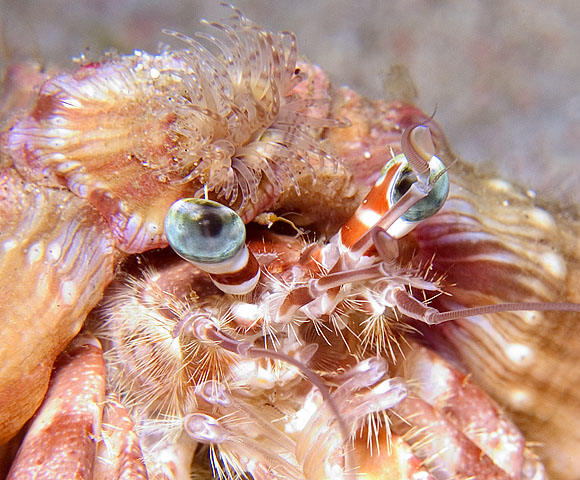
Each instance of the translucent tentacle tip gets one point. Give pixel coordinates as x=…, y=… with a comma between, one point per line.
x=205, y=429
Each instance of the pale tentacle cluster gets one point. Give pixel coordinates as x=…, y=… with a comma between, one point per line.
x=239, y=120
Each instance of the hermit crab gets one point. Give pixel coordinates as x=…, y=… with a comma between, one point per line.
x=275, y=278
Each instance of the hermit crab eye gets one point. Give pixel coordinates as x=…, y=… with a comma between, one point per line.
x=433, y=202
x=203, y=231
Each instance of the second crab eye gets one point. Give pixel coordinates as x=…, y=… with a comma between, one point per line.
x=433, y=202
x=204, y=231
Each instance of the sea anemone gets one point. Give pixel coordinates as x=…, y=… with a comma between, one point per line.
x=240, y=121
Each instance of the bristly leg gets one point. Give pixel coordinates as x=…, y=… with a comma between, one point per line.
x=140, y=321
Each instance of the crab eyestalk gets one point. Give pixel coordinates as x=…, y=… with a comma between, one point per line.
x=212, y=237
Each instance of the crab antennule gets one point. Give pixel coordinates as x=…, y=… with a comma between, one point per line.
x=434, y=317
x=417, y=310
x=417, y=146
x=212, y=237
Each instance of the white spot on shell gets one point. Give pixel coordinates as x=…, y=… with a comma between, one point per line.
x=80, y=189
x=500, y=185
x=56, y=143
x=98, y=185
x=151, y=228
x=520, y=355
x=9, y=245
x=532, y=318
x=554, y=263
x=66, y=167
x=68, y=292
x=61, y=132
x=88, y=90
x=367, y=154
x=521, y=399
x=154, y=73
x=35, y=252
x=53, y=251
x=59, y=121
x=542, y=219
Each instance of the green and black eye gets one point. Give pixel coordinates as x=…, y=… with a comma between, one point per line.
x=204, y=231
x=433, y=202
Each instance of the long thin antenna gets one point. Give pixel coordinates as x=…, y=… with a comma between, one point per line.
x=434, y=318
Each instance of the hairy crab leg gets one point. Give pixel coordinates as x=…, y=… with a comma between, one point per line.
x=455, y=427
x=206, y=330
